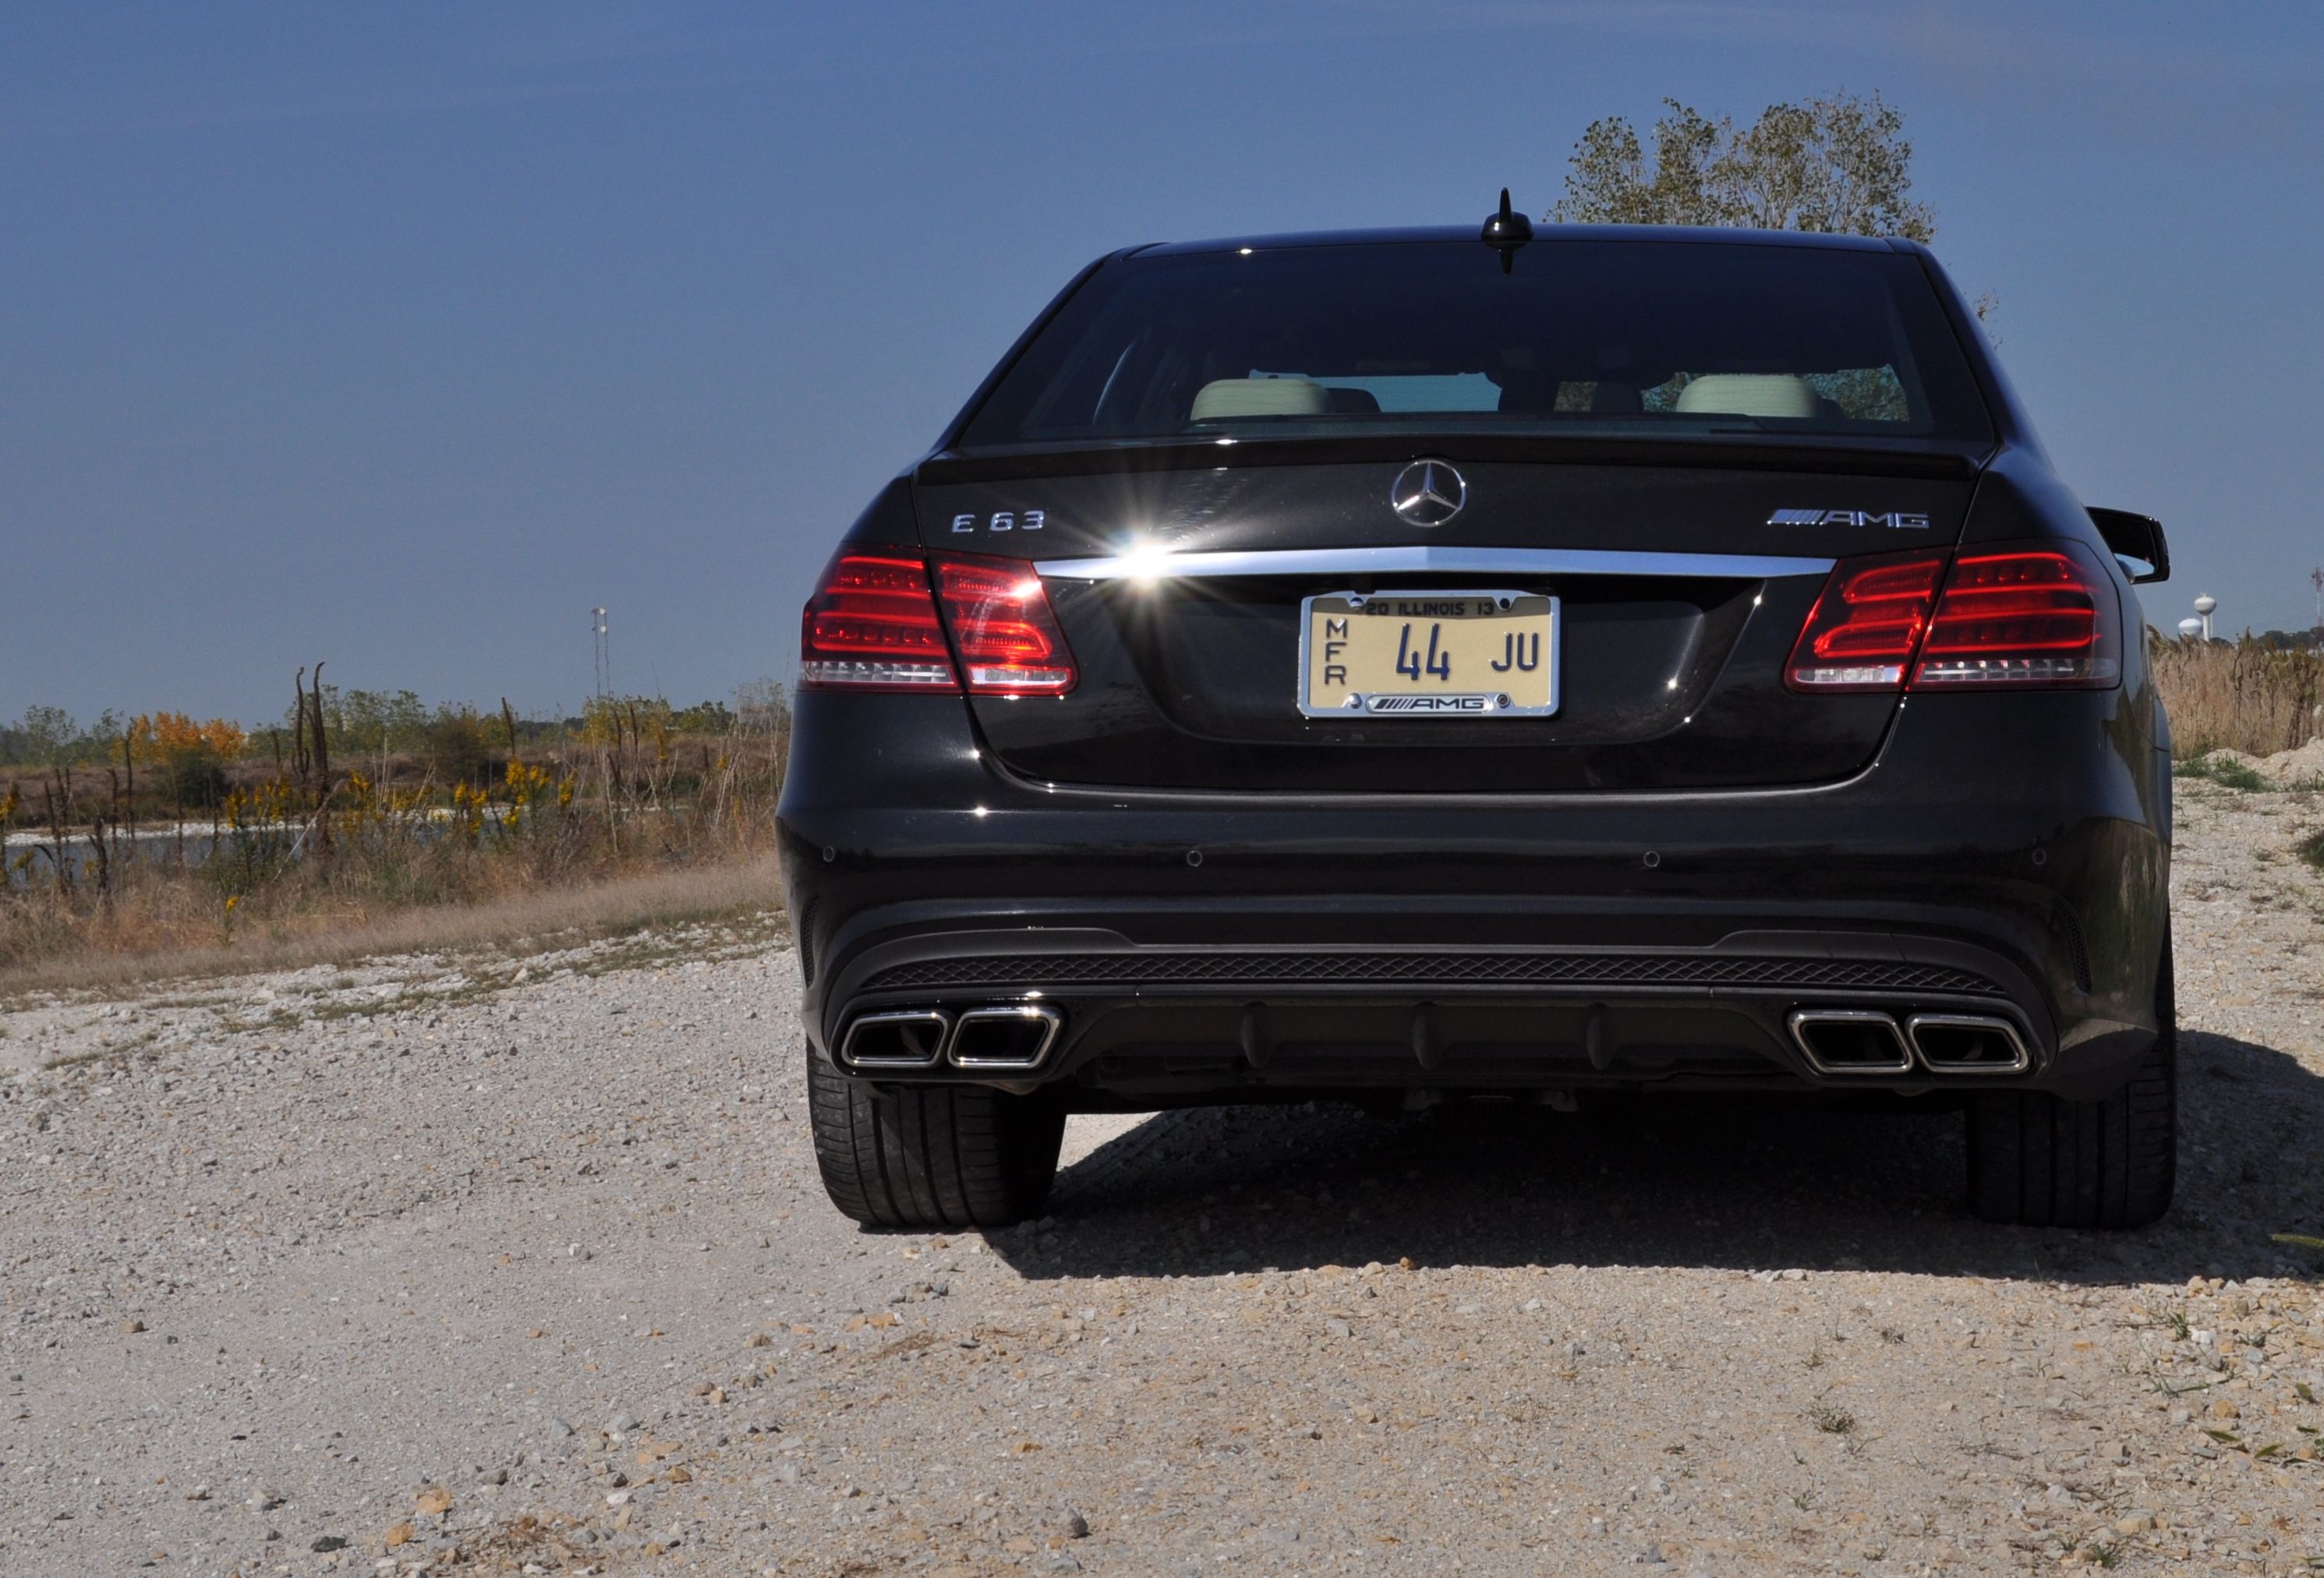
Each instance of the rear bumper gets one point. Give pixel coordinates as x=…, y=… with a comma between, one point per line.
x=1223, y=946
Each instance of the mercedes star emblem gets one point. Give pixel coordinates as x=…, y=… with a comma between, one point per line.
x=1428, y=493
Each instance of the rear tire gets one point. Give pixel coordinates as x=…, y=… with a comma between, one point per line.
x=932, y=1156
x=2043, y=1162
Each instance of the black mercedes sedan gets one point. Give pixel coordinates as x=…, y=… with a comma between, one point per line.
x=1418, y=666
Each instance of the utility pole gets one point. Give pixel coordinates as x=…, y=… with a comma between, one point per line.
x=603, y=654
x=2316, y=580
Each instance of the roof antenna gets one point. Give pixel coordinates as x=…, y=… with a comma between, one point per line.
x=1506, y=231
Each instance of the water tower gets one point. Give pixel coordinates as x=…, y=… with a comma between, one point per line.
x=2203, y=606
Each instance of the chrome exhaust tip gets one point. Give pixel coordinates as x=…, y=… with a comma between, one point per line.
x=1842, y=1041
x=1962, y=1043
x=909, y=1037
x=1015, y=1037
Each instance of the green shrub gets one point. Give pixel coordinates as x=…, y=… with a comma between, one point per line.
x=2224, y=770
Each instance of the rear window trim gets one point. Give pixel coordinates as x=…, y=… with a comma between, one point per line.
x=1932, y=459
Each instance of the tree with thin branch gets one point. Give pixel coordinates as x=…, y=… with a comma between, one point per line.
x=1836, y=163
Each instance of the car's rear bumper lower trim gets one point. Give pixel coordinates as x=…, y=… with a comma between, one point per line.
x=1181, y=1019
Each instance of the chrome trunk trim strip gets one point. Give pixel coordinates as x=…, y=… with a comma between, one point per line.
x=1418, y=558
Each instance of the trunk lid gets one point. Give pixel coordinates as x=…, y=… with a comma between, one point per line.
x=1681, y=585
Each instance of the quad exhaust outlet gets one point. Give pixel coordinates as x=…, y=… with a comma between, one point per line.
x=1016, y=1036
x=999, y=1037
x=1959, y=1043
x=911, y=1037
x=1849, y=1041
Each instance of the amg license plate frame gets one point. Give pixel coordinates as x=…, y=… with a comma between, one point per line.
x=1430, y=654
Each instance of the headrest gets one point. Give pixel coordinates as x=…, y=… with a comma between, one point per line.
x=1259, y=397
x=1748, y=394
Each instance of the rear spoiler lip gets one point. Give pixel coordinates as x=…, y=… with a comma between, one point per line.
x=1934, y=461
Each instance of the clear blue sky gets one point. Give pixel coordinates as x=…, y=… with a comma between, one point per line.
x=400, y=336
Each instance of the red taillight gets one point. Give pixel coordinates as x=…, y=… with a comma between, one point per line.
x=873, y=626
x=2017, y=616
x=2042, y=617
x=1002, y=625
x=1867, y=624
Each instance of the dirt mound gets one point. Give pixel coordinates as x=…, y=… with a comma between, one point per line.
x=2302, y=768
x=2298, y=769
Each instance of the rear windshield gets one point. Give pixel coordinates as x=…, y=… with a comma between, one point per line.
x=1604, y=337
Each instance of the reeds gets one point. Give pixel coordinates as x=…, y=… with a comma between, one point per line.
x=2241, y=696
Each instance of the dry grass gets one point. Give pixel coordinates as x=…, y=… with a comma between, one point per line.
x=525, y=922
x=627, y=826
x=2245, y=697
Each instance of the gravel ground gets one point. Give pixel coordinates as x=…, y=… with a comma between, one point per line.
x=453, y=1265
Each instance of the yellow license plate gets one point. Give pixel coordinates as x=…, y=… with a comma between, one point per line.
x=1429, y=654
